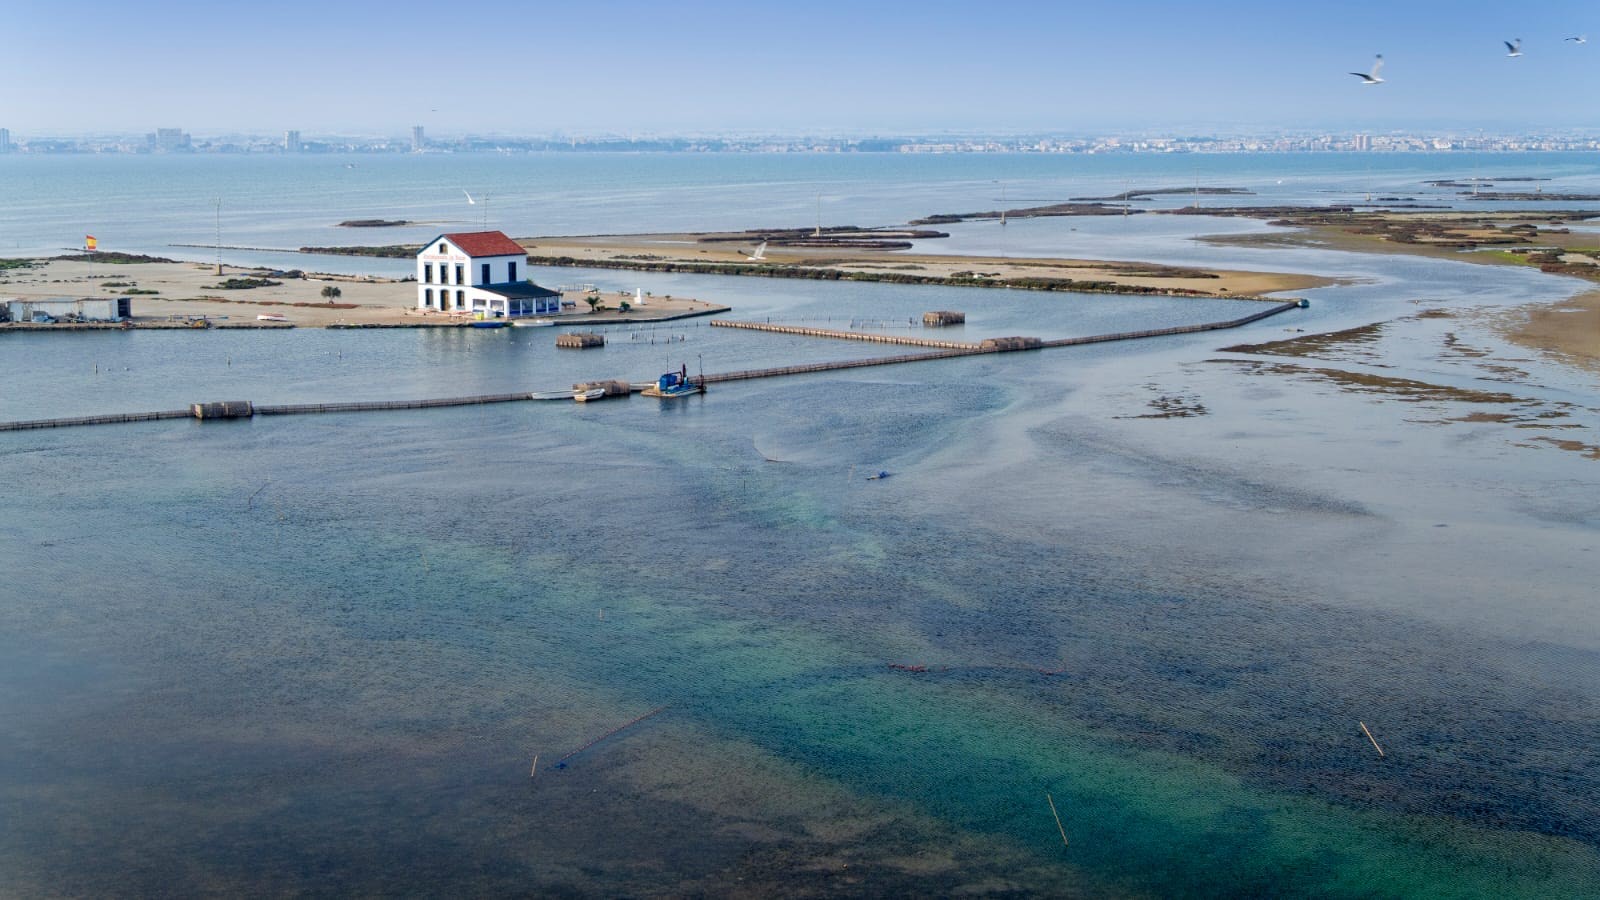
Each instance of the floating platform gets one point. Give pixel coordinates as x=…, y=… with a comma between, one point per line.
x=612, y=388
x=581, y=340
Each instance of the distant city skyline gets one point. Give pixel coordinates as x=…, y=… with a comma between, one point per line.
x=824, y=67
x=169, y=140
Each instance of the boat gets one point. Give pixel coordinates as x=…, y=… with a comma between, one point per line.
x=674, y=384
x=879, y=477
x=534, y=323
x=271, y=317
x=590, y=394
x=488, y=323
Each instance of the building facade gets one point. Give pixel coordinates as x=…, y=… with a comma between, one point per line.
x=480, y=272
x=56, y=309
x=171, y=140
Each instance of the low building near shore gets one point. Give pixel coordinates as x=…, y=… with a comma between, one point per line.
x=80, y=309
x=479, y=272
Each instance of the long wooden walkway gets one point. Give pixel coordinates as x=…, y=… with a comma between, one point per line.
x=938, y=350
x=843, y=335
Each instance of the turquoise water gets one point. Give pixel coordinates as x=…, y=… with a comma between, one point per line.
x=320, y=654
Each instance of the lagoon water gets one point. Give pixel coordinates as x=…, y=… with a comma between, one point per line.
x=320, y=654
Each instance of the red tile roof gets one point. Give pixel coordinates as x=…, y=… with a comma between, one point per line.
x=485, y=243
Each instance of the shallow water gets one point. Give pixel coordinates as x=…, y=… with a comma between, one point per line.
x=320, y=654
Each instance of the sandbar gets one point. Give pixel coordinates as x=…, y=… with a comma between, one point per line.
x=730, y=253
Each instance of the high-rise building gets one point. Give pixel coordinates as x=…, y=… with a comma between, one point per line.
x=417, y=140
x=170, y=140
x=291, y=141
x=5, y=140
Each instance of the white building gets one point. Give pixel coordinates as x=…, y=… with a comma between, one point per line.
x=87, y=309
x=479, y=272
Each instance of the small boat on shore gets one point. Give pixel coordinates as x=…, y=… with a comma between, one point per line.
x=488, y=323
x=590, y=394
x=674, y=384
x=271, y=317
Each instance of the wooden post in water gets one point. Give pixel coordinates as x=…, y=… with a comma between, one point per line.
x=1371, y=738
x=1053, y=812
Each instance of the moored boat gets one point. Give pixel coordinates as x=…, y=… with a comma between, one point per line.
x=674, y=384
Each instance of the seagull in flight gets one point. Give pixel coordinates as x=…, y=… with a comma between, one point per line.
x=760, y=255
x=1580, y=39
x=1514, y=49
x=469, y=197
x=1372, y=76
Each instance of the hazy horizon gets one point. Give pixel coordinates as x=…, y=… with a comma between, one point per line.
x=491, y=67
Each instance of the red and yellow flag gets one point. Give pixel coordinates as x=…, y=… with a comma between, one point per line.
x=89, y=243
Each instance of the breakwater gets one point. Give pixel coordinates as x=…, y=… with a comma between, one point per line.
x=243, y=409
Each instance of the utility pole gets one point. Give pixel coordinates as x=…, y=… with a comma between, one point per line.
x=219, y=235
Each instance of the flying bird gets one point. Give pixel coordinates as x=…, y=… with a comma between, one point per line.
x=760, y=255
x=1580, y=39
x=469, y=197
x=1514, y=49
x=1372, y=76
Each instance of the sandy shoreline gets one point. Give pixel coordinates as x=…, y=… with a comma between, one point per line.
x=190, y=290
x=1566, y=327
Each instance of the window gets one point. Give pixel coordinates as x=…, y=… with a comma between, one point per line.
x=427, y=274
x=461, y=278
x=511, y=271
x=428, y=297
x=443, y=247
x=485, y=275
x=461, y=299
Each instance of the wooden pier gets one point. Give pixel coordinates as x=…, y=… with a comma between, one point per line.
x=244, y=409
x=844, y=335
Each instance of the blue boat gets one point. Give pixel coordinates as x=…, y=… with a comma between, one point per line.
x=674, y=384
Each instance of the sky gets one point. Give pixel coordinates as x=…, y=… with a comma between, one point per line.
x=818, y=67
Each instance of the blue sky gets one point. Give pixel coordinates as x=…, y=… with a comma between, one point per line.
x=485, y=66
